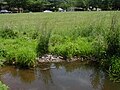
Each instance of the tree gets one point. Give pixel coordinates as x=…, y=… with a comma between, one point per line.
x=116, y=5
x=40, y=5
x=17, y=3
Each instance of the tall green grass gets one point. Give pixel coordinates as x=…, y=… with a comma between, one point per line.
x=21, y=52
x=43, y=41
x=114, y=69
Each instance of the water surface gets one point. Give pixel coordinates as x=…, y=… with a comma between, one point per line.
x=58, y=76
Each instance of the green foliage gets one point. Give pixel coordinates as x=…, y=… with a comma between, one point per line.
x=99, y=46
x=83, y=46
x=20, y=52
x=2, y=52
x=2, y=61
x=35, y=35
x=7, y=32
x=3, y=86
x=114, y=69
x=84, y=35
x=40, y=5
x=43, y=43
x=87, y=31
x=56, y=40
x=23, y=57
x=69, y=48
x=113, y=37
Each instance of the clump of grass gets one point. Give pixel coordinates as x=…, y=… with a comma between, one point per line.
x=35, y=35
x=23, y=57
x=43, y=42
x=71, y=48
x=8, y=32
x=2, y=53
x=3, y=86
x=113, y=37
x=99, y=46
x=87, y=31
x=114, y=69
x=21, y=52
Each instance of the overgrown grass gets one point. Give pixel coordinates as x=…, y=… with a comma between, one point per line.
x=20, y=52
x=23, y=37
x=43, y=42
x=70, y=48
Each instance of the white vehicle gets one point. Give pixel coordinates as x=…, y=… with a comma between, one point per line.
x=60, y=10
x=5, y=11
x=47, y=11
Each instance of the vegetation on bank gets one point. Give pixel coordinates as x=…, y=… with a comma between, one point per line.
x=24, y=37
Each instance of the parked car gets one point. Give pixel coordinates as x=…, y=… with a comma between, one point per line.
x=5, y=11
x=48, y=11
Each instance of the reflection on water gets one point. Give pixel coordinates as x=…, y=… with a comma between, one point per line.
x=58, y=76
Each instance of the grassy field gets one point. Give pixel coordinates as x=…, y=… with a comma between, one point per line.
x=23, y=37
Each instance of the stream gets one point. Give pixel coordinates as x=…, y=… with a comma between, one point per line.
x=58, y=76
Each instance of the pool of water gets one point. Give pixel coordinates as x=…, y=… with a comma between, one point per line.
x=57, y=76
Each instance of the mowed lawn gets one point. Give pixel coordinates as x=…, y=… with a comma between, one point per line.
x=55, y=21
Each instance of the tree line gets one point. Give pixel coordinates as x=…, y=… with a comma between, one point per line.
x=41, y=5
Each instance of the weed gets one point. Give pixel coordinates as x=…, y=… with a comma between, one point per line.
x=113, y=38
x=43, y=42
